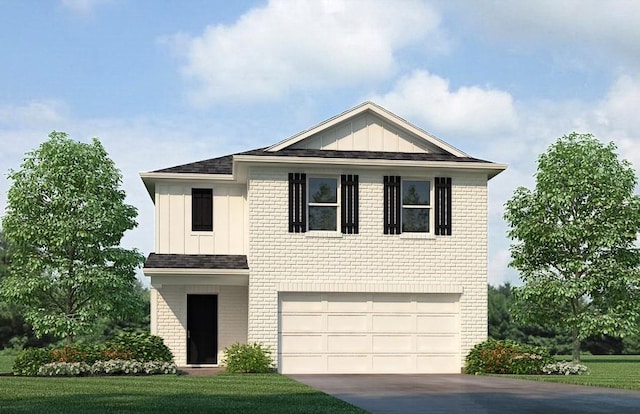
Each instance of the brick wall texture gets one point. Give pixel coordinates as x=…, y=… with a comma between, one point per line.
x=369, y=261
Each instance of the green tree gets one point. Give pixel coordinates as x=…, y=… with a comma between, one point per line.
x=574, y=241
x=64, y=221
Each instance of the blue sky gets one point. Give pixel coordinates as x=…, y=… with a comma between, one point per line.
x=166, y=83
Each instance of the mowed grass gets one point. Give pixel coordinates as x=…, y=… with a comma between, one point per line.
x=613, y=371
x=6, y=362
x=223, y=393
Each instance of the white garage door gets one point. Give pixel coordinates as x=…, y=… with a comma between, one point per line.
x=369, y=333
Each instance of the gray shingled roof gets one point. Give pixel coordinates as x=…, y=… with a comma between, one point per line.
x=196, y=261
x=223, y=165
x=220, y=165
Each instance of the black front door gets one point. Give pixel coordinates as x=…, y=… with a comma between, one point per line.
x=202, y=329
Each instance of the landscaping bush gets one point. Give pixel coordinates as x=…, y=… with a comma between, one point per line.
x=248, y=358
x=29, y=360
x=565, y=368
x=111, y=367
x=141, y=346
x=128, y=347
x=506, y=357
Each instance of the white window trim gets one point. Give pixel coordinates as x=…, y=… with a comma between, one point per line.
x=324, y=233
x=430, y=207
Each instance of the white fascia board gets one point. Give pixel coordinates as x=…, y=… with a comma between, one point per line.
x=381, y=112
x=492, y=169
x=164, y=271
x=150, y=178
x=186, y=176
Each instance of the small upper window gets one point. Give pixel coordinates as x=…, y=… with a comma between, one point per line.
x=201, y=209
x=323, y=204
x=416, y=206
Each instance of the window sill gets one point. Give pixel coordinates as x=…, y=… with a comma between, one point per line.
x=318, y=234
x=422, y=236
x=201, y=233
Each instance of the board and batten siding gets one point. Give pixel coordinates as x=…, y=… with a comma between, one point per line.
x=366, y=132
x=368, y=262
x=173, y=220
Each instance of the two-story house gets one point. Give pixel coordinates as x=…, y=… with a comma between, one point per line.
x=356, y=246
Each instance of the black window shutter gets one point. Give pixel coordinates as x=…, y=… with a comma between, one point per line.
x=201, y=209
x=297, y=202
x=392, y=204
x=349, y=204
x=443, y=206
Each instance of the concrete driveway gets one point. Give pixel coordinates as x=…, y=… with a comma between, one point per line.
x=469, y=394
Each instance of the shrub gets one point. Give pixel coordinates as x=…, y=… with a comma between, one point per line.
x=63, y=369
x=141, y=346
x=79, y=353
x=565, y=368
x=112, y=367
x=29, y=360
x=506, y=357
x=248, y=358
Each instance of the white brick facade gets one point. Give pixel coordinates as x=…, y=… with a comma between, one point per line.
x=369, y=261
x=171, y=316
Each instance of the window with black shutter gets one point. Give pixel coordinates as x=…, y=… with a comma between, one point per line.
x=392, y=204
x=201, y=209
x=297, y=202
x=407, y=205
x=349, y=204
x=443, y=206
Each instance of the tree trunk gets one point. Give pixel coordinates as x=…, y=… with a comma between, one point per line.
x=576, y=345
x=69, y=339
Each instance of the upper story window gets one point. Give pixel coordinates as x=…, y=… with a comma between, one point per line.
x=416, y=206
x=314, y=203
x=408, y=205
x=323, y=204
x=201, y=209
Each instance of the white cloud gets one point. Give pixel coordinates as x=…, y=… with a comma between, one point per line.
x=309, y=45
x=469, y=110
x=595, y=26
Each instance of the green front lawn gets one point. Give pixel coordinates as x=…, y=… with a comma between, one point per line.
x=614, y=371
x=224, y=393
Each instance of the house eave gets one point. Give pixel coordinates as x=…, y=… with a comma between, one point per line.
x=163, y=271
x=492, y=169
x=150, y=178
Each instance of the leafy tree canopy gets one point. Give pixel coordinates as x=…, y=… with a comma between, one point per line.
x=64, y=221
x=574, y=241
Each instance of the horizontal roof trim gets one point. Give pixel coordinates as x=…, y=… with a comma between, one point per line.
x=193, y=272
x=468, y=165
x=206, y=262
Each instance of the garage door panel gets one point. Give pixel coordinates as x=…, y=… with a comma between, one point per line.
x=348, y=363
x=438, y=364
x=437, y=324
x=393, y=363
x=437, y=303
x=347, y=323
x=397, y=343
x=348, y=344
x=392, y=302
x=303, y=343
x=302, y=302
x=303, y=323
x=303, y=364
x=348, y=302
x=393, y=323
x=437, y=343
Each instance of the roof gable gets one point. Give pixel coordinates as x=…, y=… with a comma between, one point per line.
x=367, y=127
